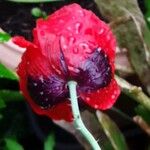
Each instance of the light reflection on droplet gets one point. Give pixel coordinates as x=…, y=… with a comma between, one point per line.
x=77, y=27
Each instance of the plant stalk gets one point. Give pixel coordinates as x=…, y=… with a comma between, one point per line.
x=78, y=123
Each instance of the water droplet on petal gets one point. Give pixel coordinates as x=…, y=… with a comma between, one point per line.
x=41, y=79
x=108, y=37
x=69, y=28
x=96, y=106
x=61, y=21
x=64, y=46
x=41, y=93
x=87, y=99
x=63, y=42
x=81, y=13
x=71, y=40
x=85, y=47
x=35, y=84
x=113, y=96
x=77, y=27
x=75, y=50
x=101, y=31
x=99, y=49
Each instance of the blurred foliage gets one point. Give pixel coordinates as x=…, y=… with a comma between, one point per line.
x=112, y=131
x=6, y=73
x=4, y=37
x=49, y=142
x=143, y=112
x=37, y=13
x=2, y=103
x=147, y=14
x=12, y=144
x=13, y=117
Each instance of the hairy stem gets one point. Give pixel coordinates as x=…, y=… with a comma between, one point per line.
x=78, y=123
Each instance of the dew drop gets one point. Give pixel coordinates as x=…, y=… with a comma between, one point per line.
x=98, y=91
x=99, y=49
x=71, y=40
x=41, y=79
x=61, y=21
x=41, y=93
x=35, y=84
x=87, y=99
x=77, y=27
x=101, y=31
x=64, y=46
x=96, y=106
x=63, y=42
x=81, y=13
x=108, y=37
x=113, y=96
x=69, y=28
x=75, y=50
x=85, y=47
x=57, y=88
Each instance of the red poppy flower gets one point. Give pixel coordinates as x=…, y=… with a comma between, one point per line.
x=71, y=44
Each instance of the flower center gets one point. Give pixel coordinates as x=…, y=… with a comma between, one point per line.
x=47, y=92
x=93, y=73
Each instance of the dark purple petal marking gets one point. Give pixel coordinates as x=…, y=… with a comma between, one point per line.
x=94, y=73
x=46, y=92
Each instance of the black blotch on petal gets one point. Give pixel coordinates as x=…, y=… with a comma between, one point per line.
x=94, y=73
x=47, y=92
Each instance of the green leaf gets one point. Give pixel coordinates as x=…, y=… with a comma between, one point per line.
x=143, y=112
x=4, y=37
x=12, y=144
x=49, y=142
x=8, y=95
x=112, y=132
x=147, y=4
x=6, y=73
x=1, y=116
x=2, y=103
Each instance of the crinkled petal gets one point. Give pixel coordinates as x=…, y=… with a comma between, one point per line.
x=66, y=30
x=103, y=98
x=34, y=64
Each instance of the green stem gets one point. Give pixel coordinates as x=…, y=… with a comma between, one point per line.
x=134, y=92
x=78, y=123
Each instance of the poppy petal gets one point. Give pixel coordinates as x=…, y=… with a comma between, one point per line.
x=103, y=98
x=21, y=41
x=34, y=64
x=66, y=30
